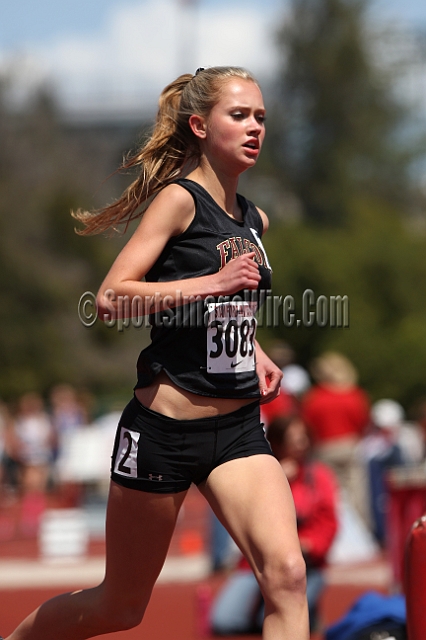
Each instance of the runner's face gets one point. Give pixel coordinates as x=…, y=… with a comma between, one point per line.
x=235, y=128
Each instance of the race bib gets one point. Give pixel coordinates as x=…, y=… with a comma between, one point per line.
x=231, y=332
x=126, y=463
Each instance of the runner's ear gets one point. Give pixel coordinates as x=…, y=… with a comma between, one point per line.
x=198, y=126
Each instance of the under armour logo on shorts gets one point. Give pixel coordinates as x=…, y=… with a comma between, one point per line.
x=151, y=476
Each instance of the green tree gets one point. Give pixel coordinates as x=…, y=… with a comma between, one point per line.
x=378, y=263
x=47, y=168
x=336, y=127
x=339, y=154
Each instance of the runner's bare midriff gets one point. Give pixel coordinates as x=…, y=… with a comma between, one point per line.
x=163, y=396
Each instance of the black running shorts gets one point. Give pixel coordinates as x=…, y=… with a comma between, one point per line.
x=159, y=454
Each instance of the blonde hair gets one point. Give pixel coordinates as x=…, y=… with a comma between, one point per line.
x=169, y=149
x=334, y=368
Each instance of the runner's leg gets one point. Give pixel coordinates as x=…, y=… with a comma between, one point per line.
x=138, y=532
x=252, y=498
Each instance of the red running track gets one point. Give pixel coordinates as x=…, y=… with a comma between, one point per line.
x=172, y=612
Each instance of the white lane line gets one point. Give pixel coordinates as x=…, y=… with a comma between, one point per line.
x=18, y=574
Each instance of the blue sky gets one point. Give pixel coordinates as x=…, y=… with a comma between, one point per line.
x=32, y=21
x=23, y=22
x=124, y=51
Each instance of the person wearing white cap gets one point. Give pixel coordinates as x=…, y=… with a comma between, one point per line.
x=389, y=414
x=379, y=451
x=392, y=442
x=295, y=380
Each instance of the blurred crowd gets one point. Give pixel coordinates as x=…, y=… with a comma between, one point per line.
x=359, y=441
x=33, y=438
x=335, y=446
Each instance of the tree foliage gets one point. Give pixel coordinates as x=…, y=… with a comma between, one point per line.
x=336, y=123
x=47, y=169
x=378, y=263
x=338, y=179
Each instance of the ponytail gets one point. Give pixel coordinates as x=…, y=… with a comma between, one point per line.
x=172, y=145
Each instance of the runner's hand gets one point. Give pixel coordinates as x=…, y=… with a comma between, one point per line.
x=238, y=274
x=269, y=375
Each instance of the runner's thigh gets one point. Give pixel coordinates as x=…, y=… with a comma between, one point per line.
x=252, y=498
x=139, y=528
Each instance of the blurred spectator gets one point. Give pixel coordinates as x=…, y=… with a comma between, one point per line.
x=296, y=379
x=35, y=443
x=5, y=481
x=391, y=442
x=337, y=413
x=239, y=606
x=2, y=442
x=67, y=412
x=282, y=405
x=10, y=462
x=294, y=383
x=417, y=413
x=224, y=553
x=389, y=414
x=281, y=353
x=2, y=429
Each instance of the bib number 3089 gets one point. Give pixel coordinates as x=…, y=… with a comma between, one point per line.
x=231, y=331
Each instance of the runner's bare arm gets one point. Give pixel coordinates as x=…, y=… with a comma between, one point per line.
x=265, y=220
x=168, y=215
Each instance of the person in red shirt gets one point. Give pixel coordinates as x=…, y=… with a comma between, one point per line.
x=337, y=412
x=238, y=607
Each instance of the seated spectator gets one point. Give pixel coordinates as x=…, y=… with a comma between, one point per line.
x=336, y=411
x=239, y=607
x=391, y=442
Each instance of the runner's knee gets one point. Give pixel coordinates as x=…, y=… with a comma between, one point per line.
x=286, y=574
x=121, y=618
x=119, y=613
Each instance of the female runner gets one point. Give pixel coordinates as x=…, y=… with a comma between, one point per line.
x=194, y=416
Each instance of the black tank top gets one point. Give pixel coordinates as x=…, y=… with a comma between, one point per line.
x=207, y=346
